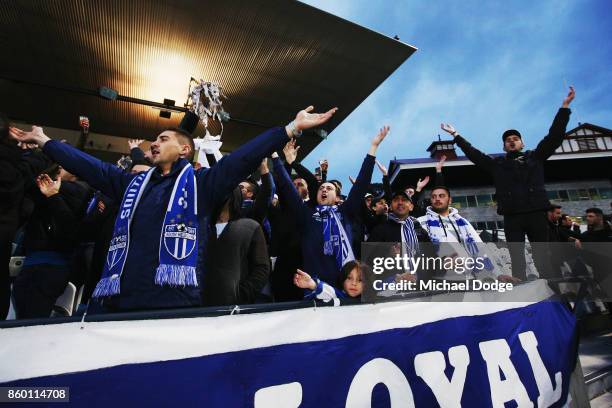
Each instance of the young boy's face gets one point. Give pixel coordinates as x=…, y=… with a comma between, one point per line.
x=352, y=284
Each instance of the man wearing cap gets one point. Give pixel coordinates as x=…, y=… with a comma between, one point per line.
x=519, y=183
x=400, y=226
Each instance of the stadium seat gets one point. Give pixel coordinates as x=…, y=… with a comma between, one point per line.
x=15, y=265
x=65, y=303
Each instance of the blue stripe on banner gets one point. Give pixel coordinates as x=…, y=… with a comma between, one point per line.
x=326, y=369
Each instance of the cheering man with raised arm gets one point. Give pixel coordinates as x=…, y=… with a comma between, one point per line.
x=326, y=227
x=519, y=184
x=156, y=256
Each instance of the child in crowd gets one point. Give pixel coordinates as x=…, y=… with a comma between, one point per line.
x=351, y=283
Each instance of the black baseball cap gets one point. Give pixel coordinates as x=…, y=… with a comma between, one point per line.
x=511, y=132
x=402, y=193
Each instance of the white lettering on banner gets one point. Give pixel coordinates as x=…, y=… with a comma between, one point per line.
x=547, y=396
x=279, y=396
x=430, y=367
x=379, y=370
x=496, y=353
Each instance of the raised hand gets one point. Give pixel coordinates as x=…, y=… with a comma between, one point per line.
x=569, y=98
x=382, y=168
x=134, y=143
x=422, y=183
x=448, y=128
x=47, y=186
x=303, y=280
x=324, y=164
x=440, y=164
x=263, y=167
x=306, y=120
x=36, y=135
x=352, y=180
x=290, y=150
x=382, y=133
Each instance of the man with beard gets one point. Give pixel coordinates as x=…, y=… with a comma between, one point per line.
x=444, y=225
x=519, y=184
x=403, y=229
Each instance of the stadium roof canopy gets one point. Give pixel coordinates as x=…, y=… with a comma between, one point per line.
x=272, y=58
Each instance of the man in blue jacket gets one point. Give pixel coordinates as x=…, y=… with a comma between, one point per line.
x=157, y=253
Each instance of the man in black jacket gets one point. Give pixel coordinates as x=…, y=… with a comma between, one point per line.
x=400, y=227
x=50, y=242
x=18, y=169
x=519, y=183
x=240, y=268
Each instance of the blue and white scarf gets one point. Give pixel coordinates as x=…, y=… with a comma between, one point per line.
x=178, y=241
x=410, y=241
x=468, y=236
x=335, y=240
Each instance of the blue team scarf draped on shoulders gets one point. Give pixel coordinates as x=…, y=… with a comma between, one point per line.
x=410, y=240
x=335, y=239
x=178, y=237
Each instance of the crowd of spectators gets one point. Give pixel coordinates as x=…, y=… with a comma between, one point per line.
x=158, y=231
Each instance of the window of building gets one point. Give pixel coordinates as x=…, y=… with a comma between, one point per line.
x=583, y=194
x=481, y=225
x=594, y=194
x=484, y=200
x=500, y=224
x=459, y=202
x=471, y=201
x=605, y=193
x=573, y=195
x=563, y=195
x=552, y=195
x=491, y=225
x=587, y=143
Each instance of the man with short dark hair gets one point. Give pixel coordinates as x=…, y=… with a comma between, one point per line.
x=519, y=183
x=594, y=253
x=156, y=257
x=597, y=229
x=302, y=188
x=553, y=215
x=445, y=225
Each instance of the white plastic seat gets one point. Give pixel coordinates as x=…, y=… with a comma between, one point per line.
x=65, y=303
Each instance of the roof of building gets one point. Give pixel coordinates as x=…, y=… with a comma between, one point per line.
x=266, y=55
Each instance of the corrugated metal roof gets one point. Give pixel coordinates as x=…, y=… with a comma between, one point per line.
x=272, y=58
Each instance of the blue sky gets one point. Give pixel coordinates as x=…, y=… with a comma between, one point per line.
x=484, y=66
